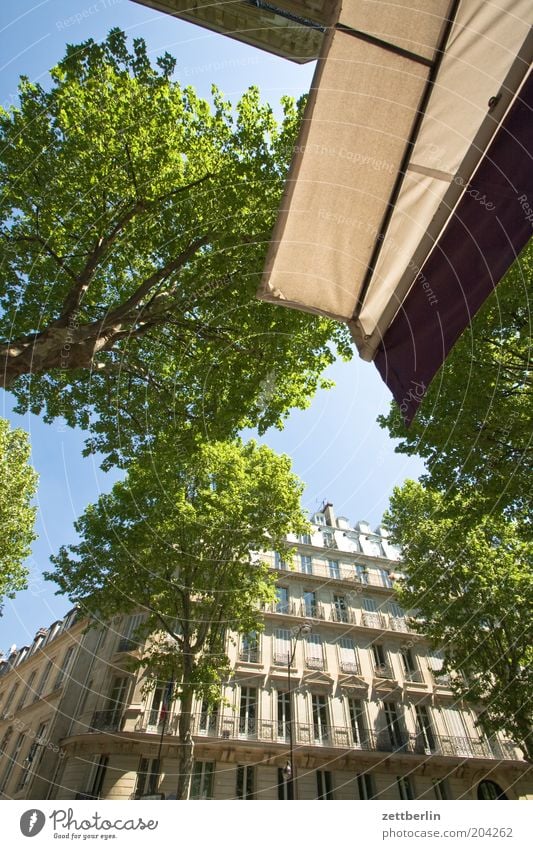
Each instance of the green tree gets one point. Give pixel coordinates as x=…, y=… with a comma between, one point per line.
x=472, y=587
x=174, y=540
x=474, y=425
x=134, y=220
x=18, y=483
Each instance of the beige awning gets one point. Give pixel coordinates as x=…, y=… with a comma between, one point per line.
x=405, y=100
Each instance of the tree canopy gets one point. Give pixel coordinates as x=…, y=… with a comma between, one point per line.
x=134, y=220
x=18, y=483
x=473, y=427
x=175, y=540
x=472, y=587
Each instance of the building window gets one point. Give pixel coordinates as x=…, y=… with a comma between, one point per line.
x=329, y=539
x=410, y=667
x=202, y=780
x=381, y=665
x=324, y=784
x=320, y=718
x=357, y=723
x=306, y=564
x=285, y=788
x=340, y=610
x=34, y=755
x=425, y=737
x=279, y=561
x=282, y=646
x=5, y=740
x=40, y=689
x=305, y=539
x=369, y=605
x=284, y=714
x=11, y=696
x=405, y=787
x=248, y=711
x=314, y=658
x=441, y=789
x=310, y=606
x=385, y=578
x=12, y=760
x=128, y=639
x=394, y=731
x=115, y=702
x=348, y=656
x=208, y=718
x=65, y=667
x=28, y=688
x=334, y=569
x=361, y=573
x=156, y=713
x=490, y=791
x=245, y=782
x=282, y=603
x=147, y=777
x=250, y=648
x=395, y=610
x=99, y=777
x=365, y=786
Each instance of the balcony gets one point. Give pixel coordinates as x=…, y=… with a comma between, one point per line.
x=345, y=571
x=442, y=679
x=338, y=614
x=107, y=720
x=314, y=663
x=390, y=741
x=284, y=608
x=350, y=667
x=250, y=656
x=312, y=611
x=125, y=644
x=383, y=670
x=373, y=620
x=413, y=676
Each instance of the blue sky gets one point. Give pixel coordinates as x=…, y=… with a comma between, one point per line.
x=337, y=447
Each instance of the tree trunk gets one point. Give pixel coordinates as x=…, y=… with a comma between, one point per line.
x=63, y=348
x=185, y=741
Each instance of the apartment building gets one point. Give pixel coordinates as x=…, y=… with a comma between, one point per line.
x=336, y=699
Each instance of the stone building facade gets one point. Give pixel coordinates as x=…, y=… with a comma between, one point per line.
x=368, y=712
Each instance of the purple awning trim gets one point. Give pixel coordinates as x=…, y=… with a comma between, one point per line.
x=491, y=224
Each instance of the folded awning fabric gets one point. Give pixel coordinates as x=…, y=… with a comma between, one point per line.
x=410, y=191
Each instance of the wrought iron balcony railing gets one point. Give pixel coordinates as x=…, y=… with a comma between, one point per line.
x=314, y=662
x=388, y=740
x=250, y=655
x=350, y=667
x=107, y=720
x=414, y=676
x=383, y=670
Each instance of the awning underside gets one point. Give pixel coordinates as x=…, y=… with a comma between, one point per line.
x=406, y=100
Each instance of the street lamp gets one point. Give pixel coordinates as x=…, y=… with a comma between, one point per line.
x=288, y=770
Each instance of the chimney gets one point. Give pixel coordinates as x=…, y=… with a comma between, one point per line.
x=327, y=510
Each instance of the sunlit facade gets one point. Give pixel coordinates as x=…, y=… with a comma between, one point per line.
x=369, y=713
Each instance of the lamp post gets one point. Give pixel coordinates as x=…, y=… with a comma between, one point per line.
x=288, y=769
